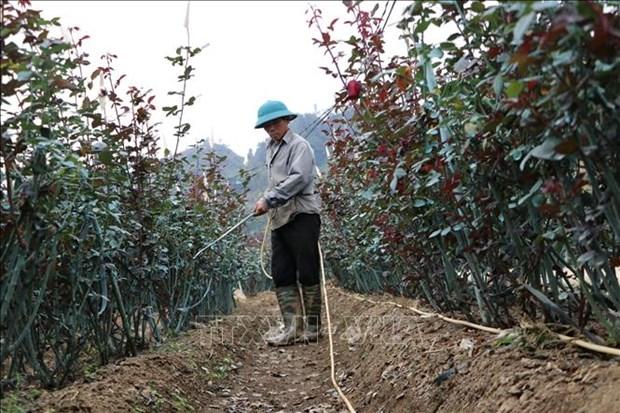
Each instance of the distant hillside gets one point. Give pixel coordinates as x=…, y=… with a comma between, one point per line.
x=232, y=163
x=316, y=136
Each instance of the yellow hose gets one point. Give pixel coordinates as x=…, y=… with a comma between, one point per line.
x=327, y=316
x=581, y=343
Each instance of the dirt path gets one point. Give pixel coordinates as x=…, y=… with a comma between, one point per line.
x=388, y=360
x=269, y=379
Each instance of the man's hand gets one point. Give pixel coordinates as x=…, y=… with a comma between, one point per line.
x=261, y=207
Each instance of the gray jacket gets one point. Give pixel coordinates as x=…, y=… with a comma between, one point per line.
x=290, y=173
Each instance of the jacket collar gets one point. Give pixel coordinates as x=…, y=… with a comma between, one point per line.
x=288, y=136
x=286, y=139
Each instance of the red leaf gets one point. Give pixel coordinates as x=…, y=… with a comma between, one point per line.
x=550, y=37
x=567, y=147
x=79, y=42
x=383, y=95
x=579, y=183
x=551, y=186
x=382, y=150
x=451, y=183
x=96, y=73
x=62, y=84
x=549, y=210
x=439, y=164
x=598, y=43
x=494, y=51
x=427, y=167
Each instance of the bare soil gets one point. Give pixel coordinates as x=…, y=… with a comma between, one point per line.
x=387, y=360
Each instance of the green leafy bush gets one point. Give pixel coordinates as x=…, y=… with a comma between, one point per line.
x=481, y=171
x=98, y=232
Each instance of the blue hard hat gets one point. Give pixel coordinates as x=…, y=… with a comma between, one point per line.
x=271, y=110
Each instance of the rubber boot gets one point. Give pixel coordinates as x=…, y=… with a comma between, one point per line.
x=312, y=306
x=290, y=307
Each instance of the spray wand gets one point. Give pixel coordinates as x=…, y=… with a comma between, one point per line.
x=231, y=229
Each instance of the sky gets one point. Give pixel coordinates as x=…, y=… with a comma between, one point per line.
x=256, y=51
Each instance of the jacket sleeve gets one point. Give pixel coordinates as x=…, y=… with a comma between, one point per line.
x=300, y=174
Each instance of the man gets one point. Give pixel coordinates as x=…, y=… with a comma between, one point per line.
x=293, y=205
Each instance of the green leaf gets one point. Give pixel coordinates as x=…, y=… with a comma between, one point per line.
x=422, y=26
x=477, y=6
x=521, y=27
x=544, y=5
x=447, y=46
x=514, y=89
x=433, y=179
x=506, y=339
x=444, y=133
x=105, y=157
x=435, y=233
x=470, y=129
x=563, y=58
x=398, y=173
x=550, y=235
x=24, y=75
x=548, y=304
x=532, y=191
x=592, y=258
x=431, y=83
x=436, y=53
x=4, y=32
x=169, y=109
x=498, y=85
x=462, y=64
x=586, y=10
x=517, y=153
x=605, y=67
x=368, y=194
x=548, y=150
